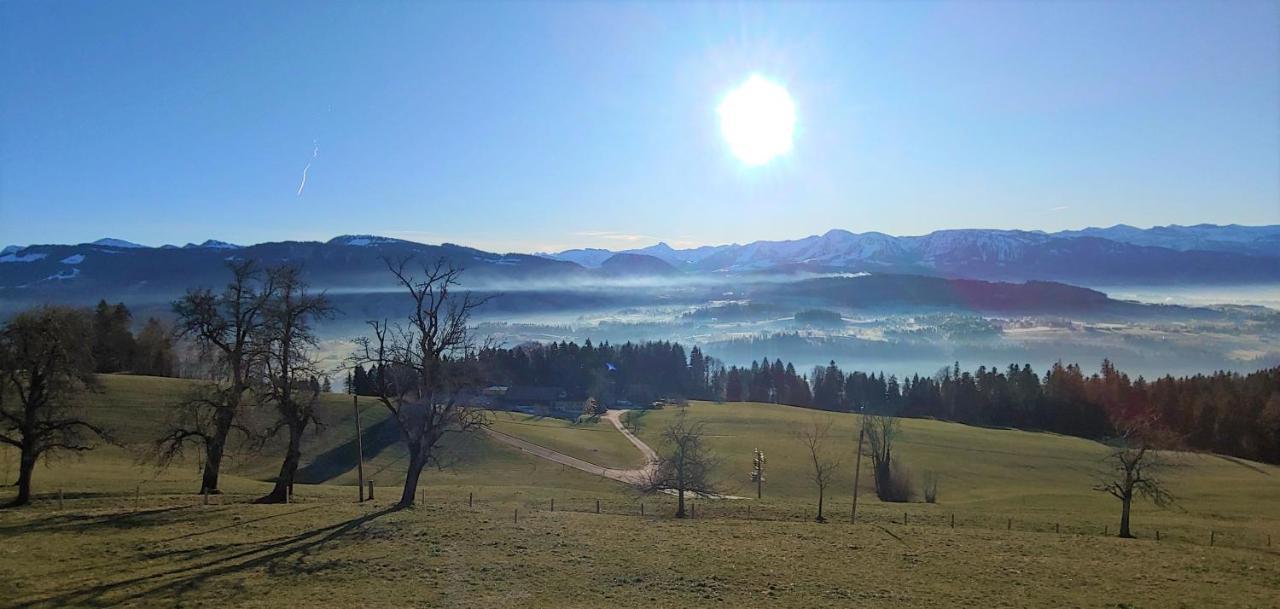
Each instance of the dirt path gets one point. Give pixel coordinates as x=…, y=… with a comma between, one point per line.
x=626, y=476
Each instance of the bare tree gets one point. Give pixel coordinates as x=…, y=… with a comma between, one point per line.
x=1133, y=469
x=817, y=440
x=891, y=480
x=685, y=463
x=289, y=367
x=224, y=327
x=45, y=363
x=424, y=370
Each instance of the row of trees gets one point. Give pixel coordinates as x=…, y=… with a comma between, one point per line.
x=1224, y=412
x=116, y=348
x=256, y=336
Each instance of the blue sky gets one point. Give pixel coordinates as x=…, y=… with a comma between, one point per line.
x=533, y=126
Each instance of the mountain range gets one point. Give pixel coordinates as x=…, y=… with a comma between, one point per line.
x=1119, y=254
x=1202, y=254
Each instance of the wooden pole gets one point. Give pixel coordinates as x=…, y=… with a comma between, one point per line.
x=597, y=506
x=370, y=491
x=904, y=518
x=515, y=516
x=953, y=520
x=1057, y=528
x=1212, y=535
x=1157, y=534
x=355, y=405
x=470, y=496
x=553, y=504
x=1009, y=527
x=857, y=471
x=642, y=509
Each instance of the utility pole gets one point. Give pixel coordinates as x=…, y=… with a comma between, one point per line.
x=355, y=404
x=857, y=469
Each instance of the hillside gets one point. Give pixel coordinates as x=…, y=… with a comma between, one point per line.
x=980, y=471
x=486, y=535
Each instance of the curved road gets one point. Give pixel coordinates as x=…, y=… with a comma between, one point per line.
x=626, y=476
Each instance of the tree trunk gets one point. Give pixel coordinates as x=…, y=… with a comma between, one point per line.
x=284, y=481
x=680, y=502
x=214, y=449
x=820, y=497
x=1124, y=516
x=26, y=465
x=411, y=478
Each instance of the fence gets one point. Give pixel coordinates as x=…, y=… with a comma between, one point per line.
x=935, y=516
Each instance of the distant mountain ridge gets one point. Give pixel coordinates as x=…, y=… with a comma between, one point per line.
x=1202, y=254
x=1118, y=253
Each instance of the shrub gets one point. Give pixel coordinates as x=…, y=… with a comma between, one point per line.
x=931, y=487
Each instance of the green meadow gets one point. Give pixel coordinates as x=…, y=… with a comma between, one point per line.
x=110, y=529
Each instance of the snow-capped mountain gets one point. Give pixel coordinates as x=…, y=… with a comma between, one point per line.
x=109, y=242
x=1257, y=240
x=1203, y=254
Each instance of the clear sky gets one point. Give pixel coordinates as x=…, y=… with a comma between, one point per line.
x=534, y=126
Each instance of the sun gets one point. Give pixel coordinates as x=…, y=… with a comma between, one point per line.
x=757, y=119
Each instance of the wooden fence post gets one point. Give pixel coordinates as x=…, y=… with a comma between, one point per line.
x=553, y=504
x=137, y=497
x=370, y=490
x=1106, y=529
x=1157, y=534
x=904, y=518
x=953, y=520
x=642, y=508
x=1009, y=526
x=1057, y=528
x=597, y=506
x=1212, y=535
x=470, y=496
x=515, y=516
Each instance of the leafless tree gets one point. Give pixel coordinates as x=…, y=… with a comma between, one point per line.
x=685, y=463
x=225, y=328
x=891, y=480
x=1133, y=468
x=817, y=440
x=424, y=370
x=289, y=368
x=45, y=363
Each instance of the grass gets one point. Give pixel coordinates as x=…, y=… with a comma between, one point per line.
x=591, y=439
x=105, y=546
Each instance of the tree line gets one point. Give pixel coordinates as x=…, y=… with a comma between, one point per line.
x=1224, y=412
x=115, y=347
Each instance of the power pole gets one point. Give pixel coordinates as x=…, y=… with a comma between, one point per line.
x=355, y=404
x=857, y=469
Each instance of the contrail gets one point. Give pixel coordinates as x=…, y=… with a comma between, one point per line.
x=315, y=152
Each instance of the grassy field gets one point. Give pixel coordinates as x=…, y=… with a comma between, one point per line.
x=1028, y=529
x=591, y=439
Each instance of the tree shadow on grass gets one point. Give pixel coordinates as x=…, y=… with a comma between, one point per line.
x=188, y=576
x=78, y=522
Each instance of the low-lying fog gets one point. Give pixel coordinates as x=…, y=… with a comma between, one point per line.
x=738, y=322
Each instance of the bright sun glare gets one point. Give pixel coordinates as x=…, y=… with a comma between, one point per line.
x=757, y=119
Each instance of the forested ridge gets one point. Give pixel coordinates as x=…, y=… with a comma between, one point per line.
x=1224, y=412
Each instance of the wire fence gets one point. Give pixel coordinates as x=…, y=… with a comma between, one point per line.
x=935, y=516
